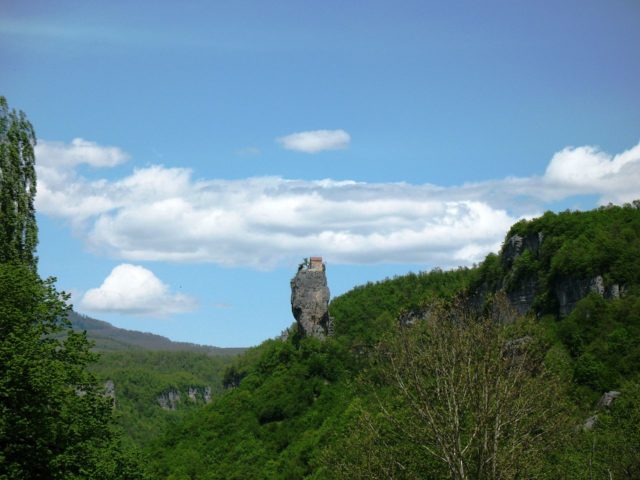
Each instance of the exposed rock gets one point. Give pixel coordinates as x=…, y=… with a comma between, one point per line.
x=614, y=292
x=409, y=317
x=516, y=246
x=512, y=249
x=521, y=297
x=604, y=403
x=516, y=347
x=571, y=290
x=522, y=288
x=169, y=399
x=110, y=391
x=192, y=393
x=596, y=285
x=284, y=335
x=590, y=422
x=310, y=299
x=523, y=291
x=607, y=399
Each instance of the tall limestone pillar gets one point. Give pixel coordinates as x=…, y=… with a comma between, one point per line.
x=310, y=299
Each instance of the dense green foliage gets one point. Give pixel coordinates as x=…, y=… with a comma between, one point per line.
x=601, y=336
x=288, y=400
x=268, y=427
x=604, y=241
x=457, y=395
x=307, y=409
x=574, y=245
x=18, y=229
x=603, y=339
x=367, y=312
x=54, y=420
x=140, y=377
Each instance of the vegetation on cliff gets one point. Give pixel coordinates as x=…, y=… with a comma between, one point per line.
x=141, y=379
x=354, y=406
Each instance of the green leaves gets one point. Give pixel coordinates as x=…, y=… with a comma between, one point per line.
x=55, y=422
x=18, y=229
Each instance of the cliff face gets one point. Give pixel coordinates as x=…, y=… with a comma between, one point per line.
x=170, y=399
x=521, y=289
x=310, y=302
x=516, y=245
x=520, y=259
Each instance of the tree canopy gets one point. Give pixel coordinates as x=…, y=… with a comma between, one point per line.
x=55, y=421
x=18, y=229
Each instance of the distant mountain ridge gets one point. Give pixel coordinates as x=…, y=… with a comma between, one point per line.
x=109, y=338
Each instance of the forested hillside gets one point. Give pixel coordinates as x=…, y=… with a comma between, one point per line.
x=108, y=338
x=370, y=402
x=153, y=390
x=153, y=381
x=525, y=366
x=581, y=280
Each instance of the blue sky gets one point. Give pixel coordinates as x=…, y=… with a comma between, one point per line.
x=191, y=154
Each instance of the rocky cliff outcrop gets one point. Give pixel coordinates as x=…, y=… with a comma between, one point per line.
x=605, y=403
x=516, y=245
x=521, y=288
x=520, y=260
x=570, y=291
x=170, y=399
x=110, y=391
x=310, y=299
x=522, y=294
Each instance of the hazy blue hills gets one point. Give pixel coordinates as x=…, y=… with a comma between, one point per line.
x=108, y=338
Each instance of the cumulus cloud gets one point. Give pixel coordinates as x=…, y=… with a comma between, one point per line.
x=62, y=191
x=132, y=289
x=79, y=151
x=589, y=170
x=159, y=213
x=316, y=141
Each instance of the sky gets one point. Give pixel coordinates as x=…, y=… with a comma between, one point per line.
x=191, y=154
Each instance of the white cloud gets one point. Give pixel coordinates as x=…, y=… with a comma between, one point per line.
x=159, y=213
x=59, y=154
x=132, y=289
x=590, y=170
x=316, y=141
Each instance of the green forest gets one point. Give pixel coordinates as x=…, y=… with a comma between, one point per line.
x=498, y=371
x=366, y=403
